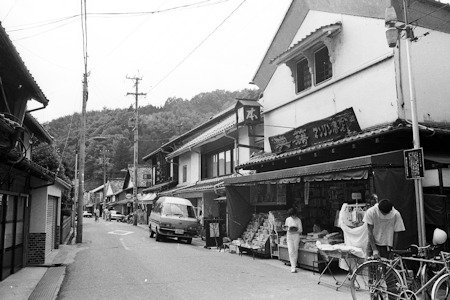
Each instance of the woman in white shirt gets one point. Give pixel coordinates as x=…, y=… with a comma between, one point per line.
x=294, y=228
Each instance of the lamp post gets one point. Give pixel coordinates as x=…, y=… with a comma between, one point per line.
x=392, y=36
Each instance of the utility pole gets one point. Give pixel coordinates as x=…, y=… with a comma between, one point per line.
x=104, y=176
x=79, y=238
x=74, y=207
x=136, y=144
x=392, y=36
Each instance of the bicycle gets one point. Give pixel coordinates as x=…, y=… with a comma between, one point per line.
x=392, y=279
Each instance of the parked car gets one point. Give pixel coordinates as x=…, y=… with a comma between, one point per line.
x=115, y=215
x=87, y=214
x=173, y=217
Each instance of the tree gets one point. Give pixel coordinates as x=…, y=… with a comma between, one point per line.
x=122, y=156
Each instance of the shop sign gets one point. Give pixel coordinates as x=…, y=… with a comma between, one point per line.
x=248, y=115
x=333, y=128
x=414, y=163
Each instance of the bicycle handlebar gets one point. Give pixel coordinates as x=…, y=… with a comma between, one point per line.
x=412, y=250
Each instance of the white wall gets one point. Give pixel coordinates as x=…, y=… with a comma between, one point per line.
x=196, y=171
x=184, y=160
x=192, y=160
x=363, y=78
x=244, y=139
x=431, y=68
x=38, y=209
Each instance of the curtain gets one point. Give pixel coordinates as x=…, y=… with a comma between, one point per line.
x=392, y=184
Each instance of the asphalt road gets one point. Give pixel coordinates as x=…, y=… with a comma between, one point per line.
x=120, y=261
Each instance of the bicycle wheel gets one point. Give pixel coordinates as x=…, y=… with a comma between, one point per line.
x=427, y=272
x=441, y=288
x=375, y=280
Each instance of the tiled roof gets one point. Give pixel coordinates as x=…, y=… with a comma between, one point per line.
x=214, y=131
x=8, y=50
x=268, y=157
x=116, y=185
x=326, y=30
x=201, y=186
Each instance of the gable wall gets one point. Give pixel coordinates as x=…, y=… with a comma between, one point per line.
x=363, y=78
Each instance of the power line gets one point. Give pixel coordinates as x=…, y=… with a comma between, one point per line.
x=196, y=47
x=197, y=4
x=40, y=24
x=42, y=32
x=36, y=25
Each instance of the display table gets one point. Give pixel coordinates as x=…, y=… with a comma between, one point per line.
x=307, y=258
x=334, y=256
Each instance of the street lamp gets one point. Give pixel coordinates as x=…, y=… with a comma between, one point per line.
x=392, y=36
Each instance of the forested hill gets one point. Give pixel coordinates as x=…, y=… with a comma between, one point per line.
x=157, y=125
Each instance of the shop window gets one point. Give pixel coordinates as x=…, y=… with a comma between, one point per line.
x=311, y=59
x=218, y=163
x=303, y=75
x=322, y=65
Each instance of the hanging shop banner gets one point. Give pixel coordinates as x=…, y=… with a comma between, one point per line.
x=333, y=128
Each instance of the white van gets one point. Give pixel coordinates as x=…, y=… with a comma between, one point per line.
x=173, y=217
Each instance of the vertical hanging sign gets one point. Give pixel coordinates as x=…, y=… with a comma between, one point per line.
x=414, y=163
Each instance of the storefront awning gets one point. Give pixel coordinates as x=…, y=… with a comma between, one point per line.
x=221, y=199
x=353, y=168
x=197, y=189
x=157, y=187
x=438, y=158
x=147, y=198
x=121, y=202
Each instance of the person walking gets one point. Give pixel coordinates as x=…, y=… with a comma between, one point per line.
x=384, y=223
x=293, y=226
x=96, y=214
x=373, y=199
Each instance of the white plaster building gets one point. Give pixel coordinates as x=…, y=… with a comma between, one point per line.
x=337, y=111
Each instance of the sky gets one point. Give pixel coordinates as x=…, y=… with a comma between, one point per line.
x=179, y=48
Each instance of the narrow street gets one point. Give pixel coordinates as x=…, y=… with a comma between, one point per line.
x=120, y=261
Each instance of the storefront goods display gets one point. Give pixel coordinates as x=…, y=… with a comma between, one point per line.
x=309, y=256
x=261, y=234
x=355, y=232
